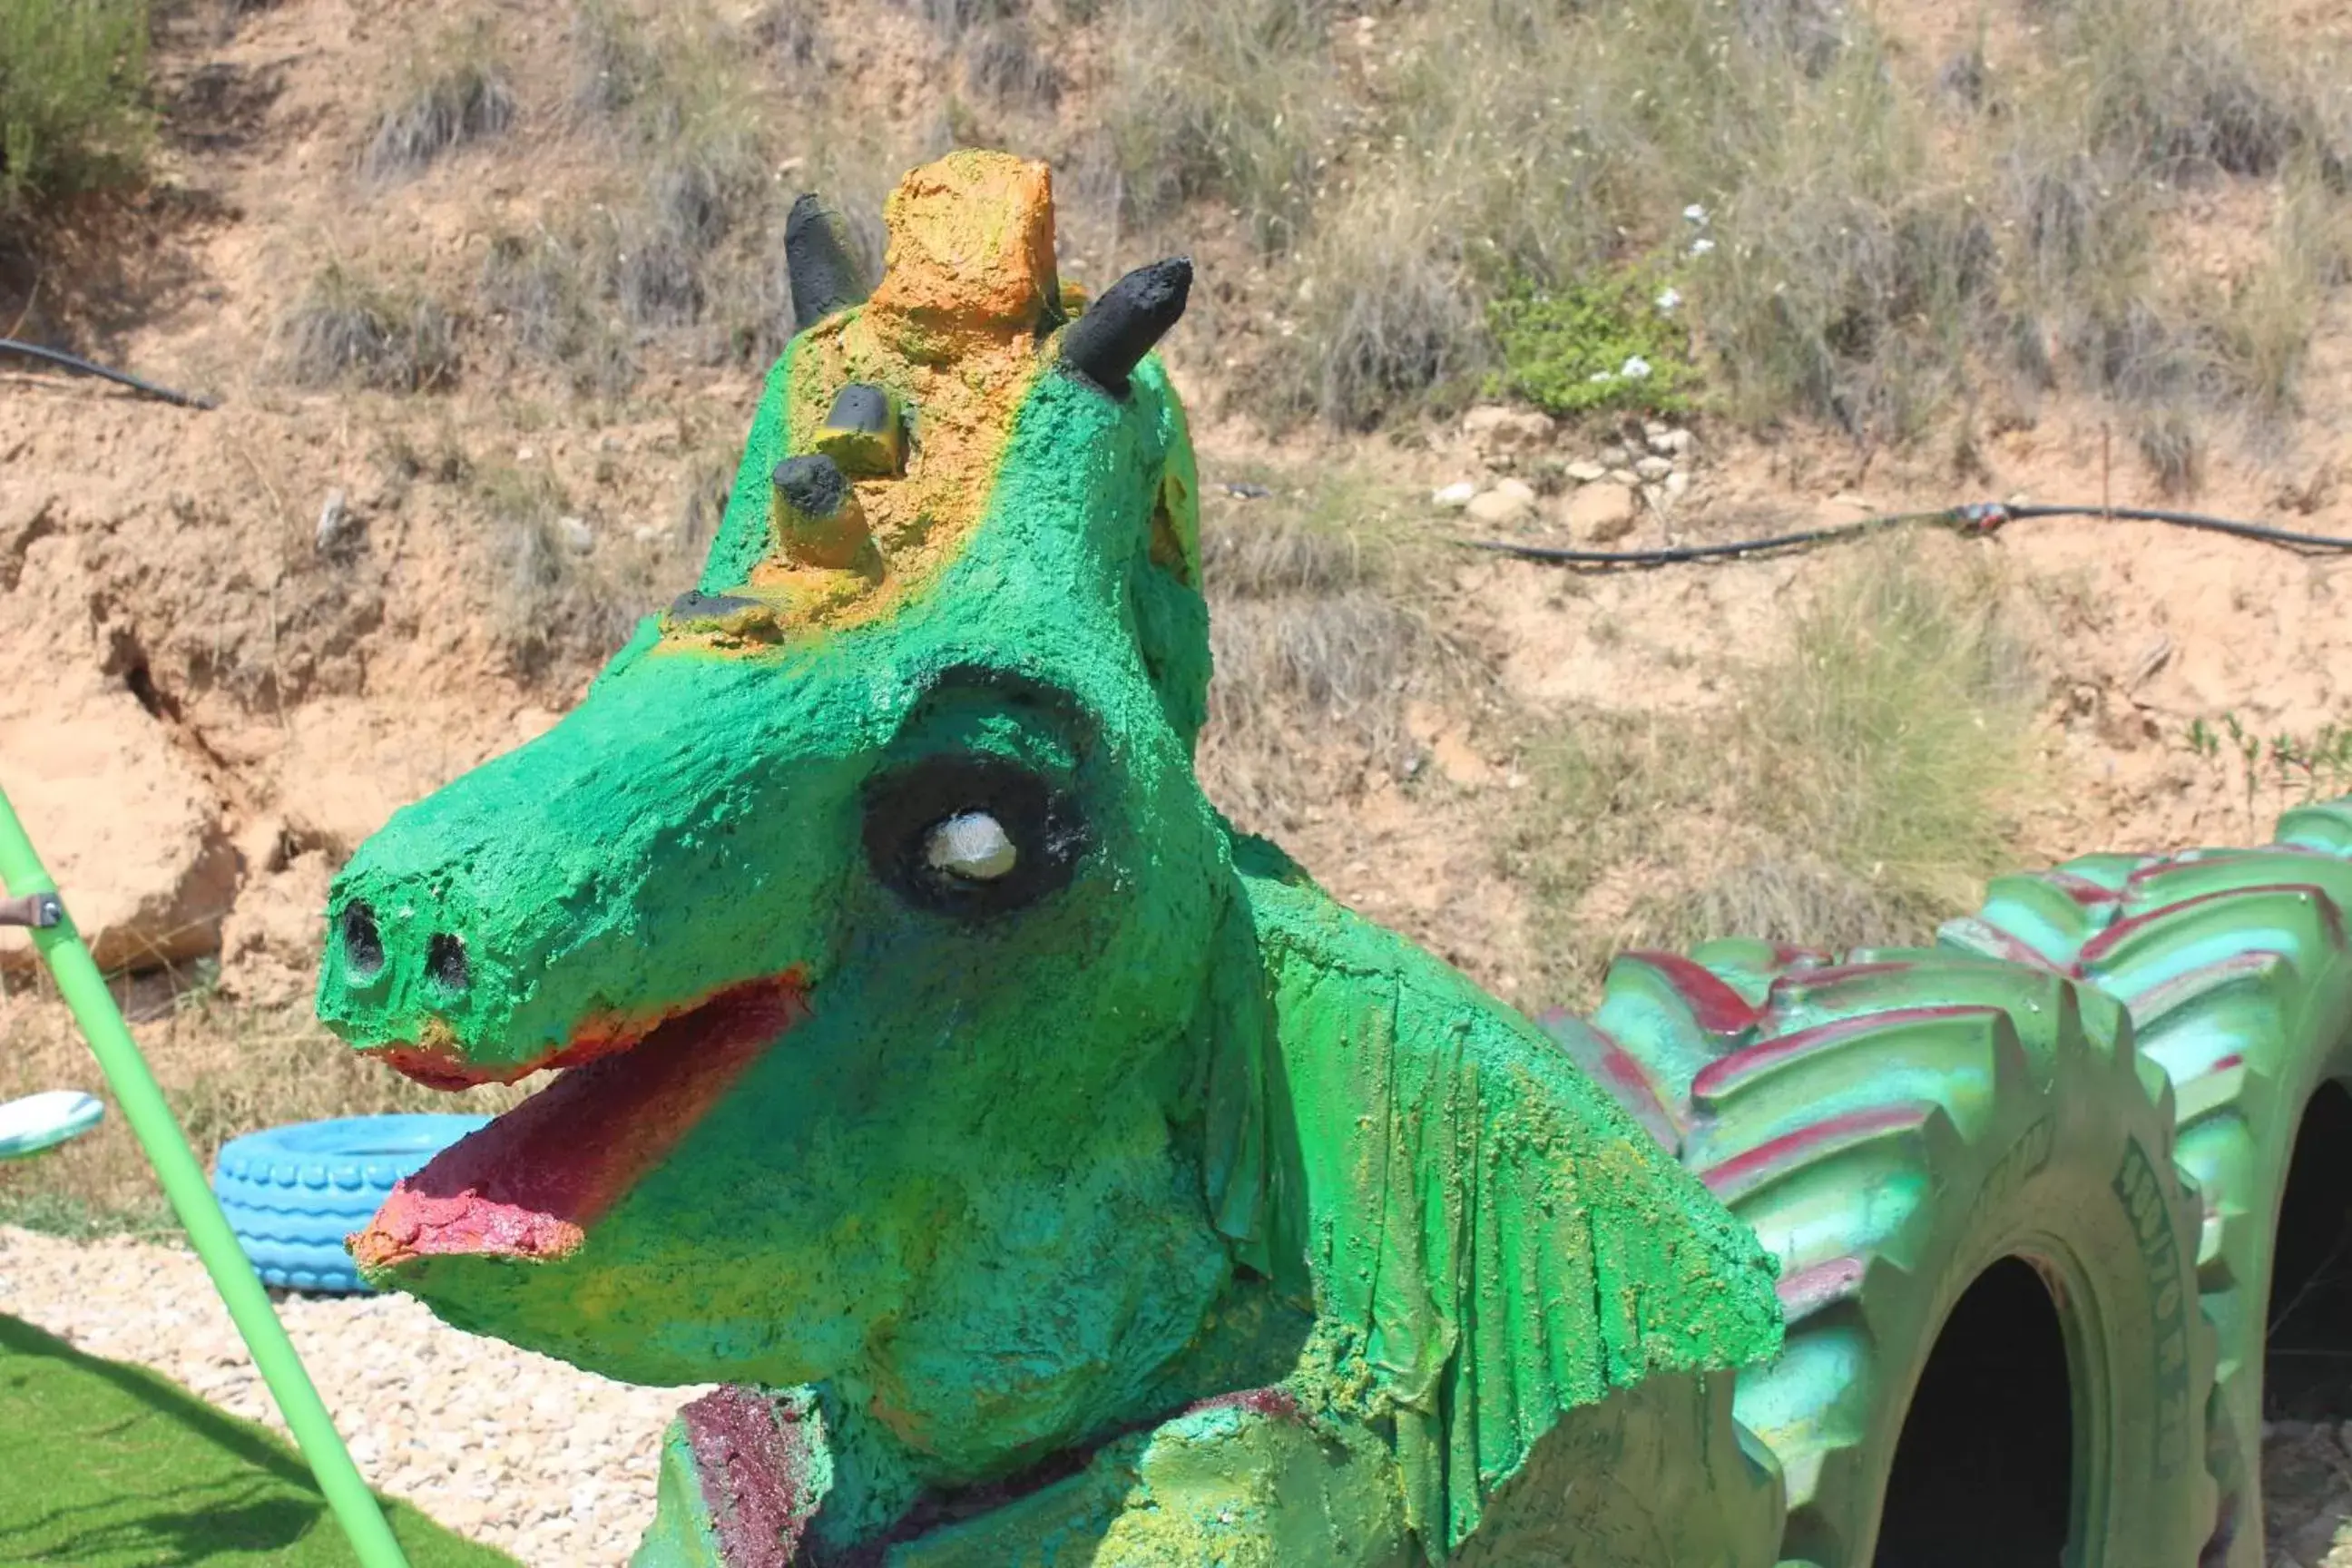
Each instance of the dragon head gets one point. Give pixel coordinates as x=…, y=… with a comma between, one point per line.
x=924, y=1034
x=867, y=899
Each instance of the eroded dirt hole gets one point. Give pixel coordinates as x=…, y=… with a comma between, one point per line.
x=1983, y=1473
x=2307, y=1369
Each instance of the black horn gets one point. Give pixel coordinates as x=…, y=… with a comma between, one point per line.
x=1111, y=338
x=820, y=262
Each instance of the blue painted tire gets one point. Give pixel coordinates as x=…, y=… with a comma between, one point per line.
x=292, y=1194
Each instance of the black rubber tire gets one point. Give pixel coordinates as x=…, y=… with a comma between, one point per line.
x=2234, y=966
x=292, y=1194
x=1893, y=1127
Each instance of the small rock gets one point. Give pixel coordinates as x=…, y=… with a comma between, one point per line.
x=1624, y=476
x=1652, y=430
x=1584, y=470
x=577, y=536
x=1494, y=429
x=647, y=532
x=1615, y=457
x=1455, y=496
x=1671, y=443
x=1243, y=490
x=464, y=1515
x=1499, y=507
x=1603, y=512
x=337, y=526
x=1653, y=468
x=1519, y=488
x=1676, y=485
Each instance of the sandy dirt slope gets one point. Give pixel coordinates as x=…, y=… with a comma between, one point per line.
x=203, y=707
x=163, y=593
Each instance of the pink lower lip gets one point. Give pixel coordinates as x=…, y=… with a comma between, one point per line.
x=530, y=1184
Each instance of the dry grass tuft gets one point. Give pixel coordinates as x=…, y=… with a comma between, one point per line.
x=696, y=241
x=1006, y=69
x=539, y=287
x=2170, y=444
x=792, y=34
x=2180, y=89
x=1235, y=99
x=1392, y=319
x=952, y=19
x=348, y=330
x=1853, y=791
x=1315, y=645
x=445, y=105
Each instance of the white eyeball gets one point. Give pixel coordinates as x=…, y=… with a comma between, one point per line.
x=974, y=847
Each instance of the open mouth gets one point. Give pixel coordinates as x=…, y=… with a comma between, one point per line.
x=528, y=1184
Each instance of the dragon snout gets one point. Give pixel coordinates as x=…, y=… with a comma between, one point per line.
x=419, y=971
x=370, y=963
x=402, y=975
x=398, y=956
x=559, y=903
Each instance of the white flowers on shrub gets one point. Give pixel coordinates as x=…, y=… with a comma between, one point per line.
x=1669, y=299
x=1695, y=214
x=1635, y=368
x=1601, y=375
x=1701, y=246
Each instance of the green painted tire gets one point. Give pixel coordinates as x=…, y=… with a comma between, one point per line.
x=2233, y=964
x=1893, y=1127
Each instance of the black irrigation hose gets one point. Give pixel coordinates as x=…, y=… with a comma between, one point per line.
x=1976, y=517
x=2188, y=519
x=120, y=377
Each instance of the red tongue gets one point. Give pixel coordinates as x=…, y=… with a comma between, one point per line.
x=529, y=1183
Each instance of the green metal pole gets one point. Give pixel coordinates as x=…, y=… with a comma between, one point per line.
x=159, y=1134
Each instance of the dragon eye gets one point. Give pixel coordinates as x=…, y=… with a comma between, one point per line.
x=971, y=837
x=973, y=846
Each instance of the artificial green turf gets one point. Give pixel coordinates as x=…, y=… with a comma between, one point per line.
x=107, y=1466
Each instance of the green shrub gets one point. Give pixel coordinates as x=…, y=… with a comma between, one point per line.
x=72, y=73
x=2280, y=771
x=1603, y=343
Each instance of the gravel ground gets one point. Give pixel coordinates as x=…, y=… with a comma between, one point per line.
x=542, y=1459
x=2307, y=1493
x=556, y=1465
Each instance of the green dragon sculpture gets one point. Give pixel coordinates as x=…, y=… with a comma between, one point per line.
x=1054, y=1175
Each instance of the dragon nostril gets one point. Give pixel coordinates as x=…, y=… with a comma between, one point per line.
x=445, y=963
x=363, y=943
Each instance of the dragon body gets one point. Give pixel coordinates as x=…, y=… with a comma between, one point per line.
x=1053, y=1175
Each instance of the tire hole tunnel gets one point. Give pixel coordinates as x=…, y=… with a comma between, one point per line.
x=1983, y=1472
x=2307, y=1365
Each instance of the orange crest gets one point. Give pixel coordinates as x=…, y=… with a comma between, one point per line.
x=970, y=254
